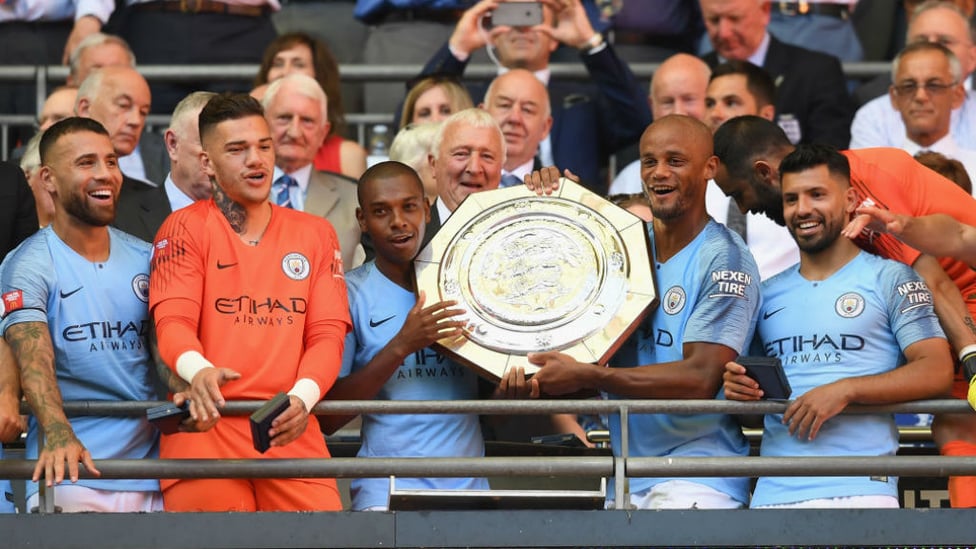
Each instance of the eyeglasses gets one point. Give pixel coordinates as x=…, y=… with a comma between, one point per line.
x=910, y=88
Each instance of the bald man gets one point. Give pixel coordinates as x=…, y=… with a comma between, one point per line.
x=519, y=103
x=677, y=87
x=708, y=311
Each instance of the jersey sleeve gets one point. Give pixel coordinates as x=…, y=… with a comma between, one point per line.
x=910, y=312
x=327, y=321
x=728, y=298
x=176, y=284
x=26, y=280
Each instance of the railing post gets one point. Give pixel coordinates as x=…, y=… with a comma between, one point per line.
x=621, y=494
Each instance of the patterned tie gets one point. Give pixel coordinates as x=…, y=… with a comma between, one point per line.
x=282, y=190
x=736, y=220
x=509, y=180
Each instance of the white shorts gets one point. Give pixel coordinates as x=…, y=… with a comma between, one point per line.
x=681, y=494
x=849, y=502
x=72, y=498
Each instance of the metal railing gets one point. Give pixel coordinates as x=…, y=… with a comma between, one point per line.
x=506, y=528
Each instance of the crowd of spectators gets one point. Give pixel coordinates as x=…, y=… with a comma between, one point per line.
x=267, y=251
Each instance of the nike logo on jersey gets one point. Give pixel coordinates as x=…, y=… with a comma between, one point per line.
x=375, y=323
x=225, y=265
x=768, y=314
x=65, y=294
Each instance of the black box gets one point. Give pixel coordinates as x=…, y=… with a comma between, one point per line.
x=261, y=420
x=168, y=417
x=768, y=372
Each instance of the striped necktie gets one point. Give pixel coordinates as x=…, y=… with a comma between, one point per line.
x=282, y=190
x=510, y=180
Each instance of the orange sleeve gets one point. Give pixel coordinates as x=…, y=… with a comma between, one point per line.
x=176, y=284
x=328, y=320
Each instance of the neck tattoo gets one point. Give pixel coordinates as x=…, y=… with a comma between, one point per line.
x=233, y=212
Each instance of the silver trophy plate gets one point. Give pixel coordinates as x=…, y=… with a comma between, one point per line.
x=569, y=272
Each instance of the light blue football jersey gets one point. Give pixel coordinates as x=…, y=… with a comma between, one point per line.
x=97, y=315
x=379, y=308
x=855, y=323
x=709, y=292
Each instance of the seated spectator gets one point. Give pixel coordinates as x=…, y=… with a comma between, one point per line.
x=878, y=123
x=412, y=146
x=94, y=52
x=926, y=87
x=837, y=290
x=31, y=164
x=677, y=87
x=60, y=104
x=951, y=169
x=433, y=99
x=812, y=103
x=297, y=112
x=591, y=119
x=60, y=359
x=300, y=53
x=392, y=331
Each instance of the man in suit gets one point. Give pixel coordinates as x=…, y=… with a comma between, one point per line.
x=812, y=103
x=148, y=161
x=591, y=120
x=142, y=209
x=296, y=109
x=519, y=103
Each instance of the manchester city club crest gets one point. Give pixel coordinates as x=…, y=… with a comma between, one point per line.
x=140, y=286
x=674, y=300
x=849, y=305
x=295, y=266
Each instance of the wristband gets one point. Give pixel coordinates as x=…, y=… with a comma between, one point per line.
x=308, y=391
x=190, y=363
x=967, y=356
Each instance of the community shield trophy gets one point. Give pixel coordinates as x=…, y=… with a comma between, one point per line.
x=569, y=272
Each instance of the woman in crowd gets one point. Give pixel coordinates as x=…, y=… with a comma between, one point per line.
x=433, y=99
x=299, y=52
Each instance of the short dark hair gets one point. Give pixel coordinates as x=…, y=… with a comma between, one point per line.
x=740, y=140
x=758, y=81
x=810, y=156
x=387, y=170
x=73, y=124
x=950, y=168
x=227, y=106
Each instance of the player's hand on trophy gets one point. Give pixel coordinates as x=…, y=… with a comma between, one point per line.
x=514, y=385
x=546, y=180
x=560, y=373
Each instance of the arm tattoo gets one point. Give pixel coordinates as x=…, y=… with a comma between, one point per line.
x=969, y=324
x=233, y=211
x=32, y=347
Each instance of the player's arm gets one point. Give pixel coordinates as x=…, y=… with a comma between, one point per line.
x=939, y=235
x=34, y=353
x=422, y=327
x=926, y=374
x=698, y=375
x=11, y=422
x=949, y=305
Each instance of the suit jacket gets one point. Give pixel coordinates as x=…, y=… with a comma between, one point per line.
x=18, y=215
x=591, y=120
x=141, y=209
x=810, y=89
x=333, y=196
x=155, y=159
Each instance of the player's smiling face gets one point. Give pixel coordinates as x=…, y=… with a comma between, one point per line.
x=674, y=167
x=394, y=212
x=238, y=155
x=85, y=176
x=817, y=205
